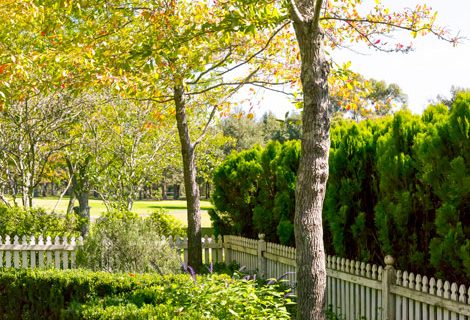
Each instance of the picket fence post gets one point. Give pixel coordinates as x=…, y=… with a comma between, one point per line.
x=262, y=261
x=388, y=299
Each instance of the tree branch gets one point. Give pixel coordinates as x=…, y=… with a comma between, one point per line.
x=316, y=14
x=295, y=13
x=204, y=131
x=213, y=67
x=257, y=52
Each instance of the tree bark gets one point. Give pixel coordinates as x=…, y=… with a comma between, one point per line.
x=80, y=190
x=313, y=167
x=164, y=195
x=84, y=212
x=190, y=184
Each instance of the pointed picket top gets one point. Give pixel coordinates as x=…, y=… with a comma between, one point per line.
x=462, y=293
x=41, y=240
x=425, y=287
x=411, y=284
x=432, y=286
x=453, y=291
x=219, y=238
x=398, y=279
x=447, y=289
x=379, y=273
x=374, y=272
x=48, y=240
x=418, y=282
x=405, y=279
x=439, y=286
x=16, y=240
x=363, y=269
x=64, y=240
x=358, y=268
x=57, y=240
x=32, y=240
x=24, y=241
x=7, y=240
x=73, y=241
x=368, y=271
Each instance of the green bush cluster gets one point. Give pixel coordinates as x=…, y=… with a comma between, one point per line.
x=122, y=242
x=79, y=294
x=253, y=192
x=36, y=221
x=398, y=185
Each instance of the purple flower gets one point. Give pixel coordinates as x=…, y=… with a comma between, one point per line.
x=192, y=273
x=285, y=275
x=210, y=268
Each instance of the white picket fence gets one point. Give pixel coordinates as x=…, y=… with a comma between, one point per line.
x=356, y=290
x=31, y=252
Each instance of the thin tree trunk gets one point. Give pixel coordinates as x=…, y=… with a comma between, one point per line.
x=84, y=212
x=190, y=184
x=313, y=167
x=71, y=203
x=164, y=195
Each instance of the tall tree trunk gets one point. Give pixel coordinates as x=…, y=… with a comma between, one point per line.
x=190, y=184
x=313, y=168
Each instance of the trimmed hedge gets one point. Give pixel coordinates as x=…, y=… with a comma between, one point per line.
x=79, y=294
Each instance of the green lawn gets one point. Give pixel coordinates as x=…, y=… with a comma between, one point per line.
x=177, y=208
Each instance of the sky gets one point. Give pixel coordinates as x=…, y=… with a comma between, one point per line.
x=430, y=70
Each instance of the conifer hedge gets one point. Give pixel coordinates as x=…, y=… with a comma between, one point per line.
x=398, y=185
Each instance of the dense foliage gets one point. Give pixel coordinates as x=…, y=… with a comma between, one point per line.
x=254, y=192
x=398, y=185
x=80, y=294
x=35, y=221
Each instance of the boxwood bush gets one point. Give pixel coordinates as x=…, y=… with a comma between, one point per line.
x=80, y=294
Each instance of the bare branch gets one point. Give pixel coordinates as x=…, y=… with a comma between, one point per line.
x=204, y=131
x=213, y=67
x=254, y=55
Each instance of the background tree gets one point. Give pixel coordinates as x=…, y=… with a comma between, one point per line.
x=32, y=132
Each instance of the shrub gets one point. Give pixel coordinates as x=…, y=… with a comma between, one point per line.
x=80, y=294
x=165, y=224
x=127, y=243
x=35, y=221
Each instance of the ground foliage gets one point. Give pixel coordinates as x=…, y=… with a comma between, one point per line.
x=80, y=294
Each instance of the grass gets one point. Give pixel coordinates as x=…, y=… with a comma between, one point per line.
x=177, y=208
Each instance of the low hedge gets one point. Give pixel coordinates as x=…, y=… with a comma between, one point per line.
x=80, y=294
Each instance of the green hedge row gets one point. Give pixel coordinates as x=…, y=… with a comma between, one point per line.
x=79, y=294
x=398, y=185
